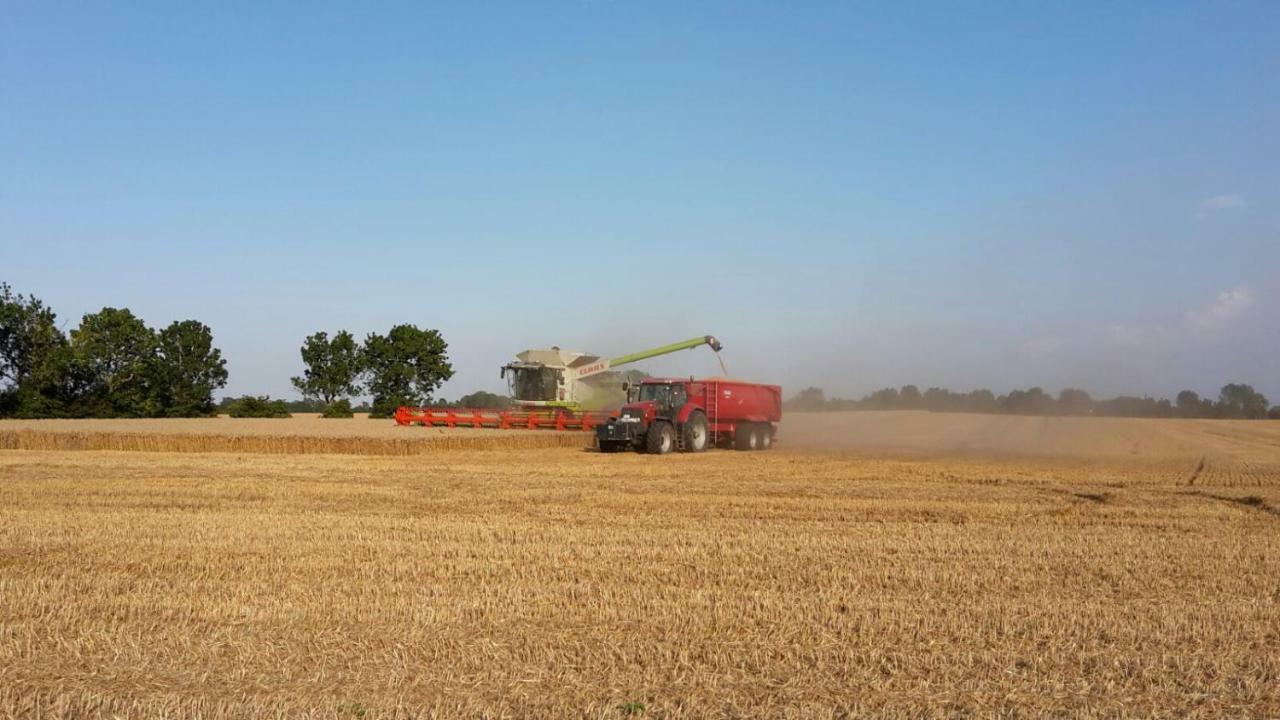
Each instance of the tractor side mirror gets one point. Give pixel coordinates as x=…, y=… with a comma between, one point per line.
x=626, y=388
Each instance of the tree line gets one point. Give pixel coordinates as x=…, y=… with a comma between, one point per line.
x=1234, y=400
x=112, y=365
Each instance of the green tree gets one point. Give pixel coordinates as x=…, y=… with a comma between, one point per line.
x=340, y=408
x=1073, y=401
x=250, y=406
x=115, y=352
x=909, y=398
x=981, y=401
x=332, y=367
x=1242, y=401
x=27, y=331
x=810, y=398
x=482, y=400
x=1189, y=404
x=186, y=369
x=33, y=357
x=404, y=367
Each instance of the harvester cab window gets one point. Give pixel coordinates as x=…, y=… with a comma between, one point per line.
x=534, y=383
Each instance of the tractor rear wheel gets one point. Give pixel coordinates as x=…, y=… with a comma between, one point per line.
x=661, y=438
x=695, y=433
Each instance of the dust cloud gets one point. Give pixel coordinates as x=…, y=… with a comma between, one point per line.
x=926, y=433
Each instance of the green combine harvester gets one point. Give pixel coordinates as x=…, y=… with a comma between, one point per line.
x=577, y=381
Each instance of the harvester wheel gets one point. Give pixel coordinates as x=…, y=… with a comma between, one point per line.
x=695, y=433
x=747, y=437
x=661, y=438
x=611, y=447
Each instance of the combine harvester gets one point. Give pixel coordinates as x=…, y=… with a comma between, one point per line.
x=552, y=390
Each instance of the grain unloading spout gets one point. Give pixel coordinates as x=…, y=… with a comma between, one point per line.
x=600, y=366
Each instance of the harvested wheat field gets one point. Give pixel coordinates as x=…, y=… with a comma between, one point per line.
x=935, y=580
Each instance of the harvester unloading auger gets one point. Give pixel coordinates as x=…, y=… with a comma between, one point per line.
x=553, y=390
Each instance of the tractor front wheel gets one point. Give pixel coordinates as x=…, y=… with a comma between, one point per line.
x=661, y=438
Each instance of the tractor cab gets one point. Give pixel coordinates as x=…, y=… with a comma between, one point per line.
x=655, y=403
x=662, y=398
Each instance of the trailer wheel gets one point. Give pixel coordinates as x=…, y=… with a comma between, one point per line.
x=747, y=437
x=766, y=436
x=661, y=438
x=695, y=433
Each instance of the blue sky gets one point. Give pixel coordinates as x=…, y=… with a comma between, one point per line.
x=851, y=196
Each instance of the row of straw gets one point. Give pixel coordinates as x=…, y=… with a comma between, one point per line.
x=283, y=444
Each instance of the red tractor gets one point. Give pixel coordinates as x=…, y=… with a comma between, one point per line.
x=666, y=414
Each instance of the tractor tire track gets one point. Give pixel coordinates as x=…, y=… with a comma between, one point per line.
x=1195, y=474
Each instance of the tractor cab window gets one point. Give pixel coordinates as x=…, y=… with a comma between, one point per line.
x=668, y=398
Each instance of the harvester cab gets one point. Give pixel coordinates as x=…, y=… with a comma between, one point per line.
x=537, y=377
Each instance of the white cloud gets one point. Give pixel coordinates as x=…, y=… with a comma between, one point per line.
x=1218, y=203
x=1229, y=305
x=1196, y=323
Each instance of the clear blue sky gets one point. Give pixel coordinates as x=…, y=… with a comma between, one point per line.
x=849, y=195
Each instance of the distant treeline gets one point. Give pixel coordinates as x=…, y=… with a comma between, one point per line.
x=114, y=365
x=264, y=407
x=1234, y=401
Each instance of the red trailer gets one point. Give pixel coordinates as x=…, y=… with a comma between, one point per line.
x=689, y=415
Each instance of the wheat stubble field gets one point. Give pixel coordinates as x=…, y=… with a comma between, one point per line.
x=878, y=564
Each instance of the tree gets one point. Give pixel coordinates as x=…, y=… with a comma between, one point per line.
x=1274, y=413
x=1189, y=404
x=1242, y=401
x=27, y=331
x=332, y=367
x=251, y=406
x=884, y=399
x=982, y=401
x=1029, y=402
x=115, y=352
x=484, y=401
x=338, y=409
x=32, y=357
x=909, y=398
x=404, y=367
x=186, y=369
x=811, y=398
x=1073, y=401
